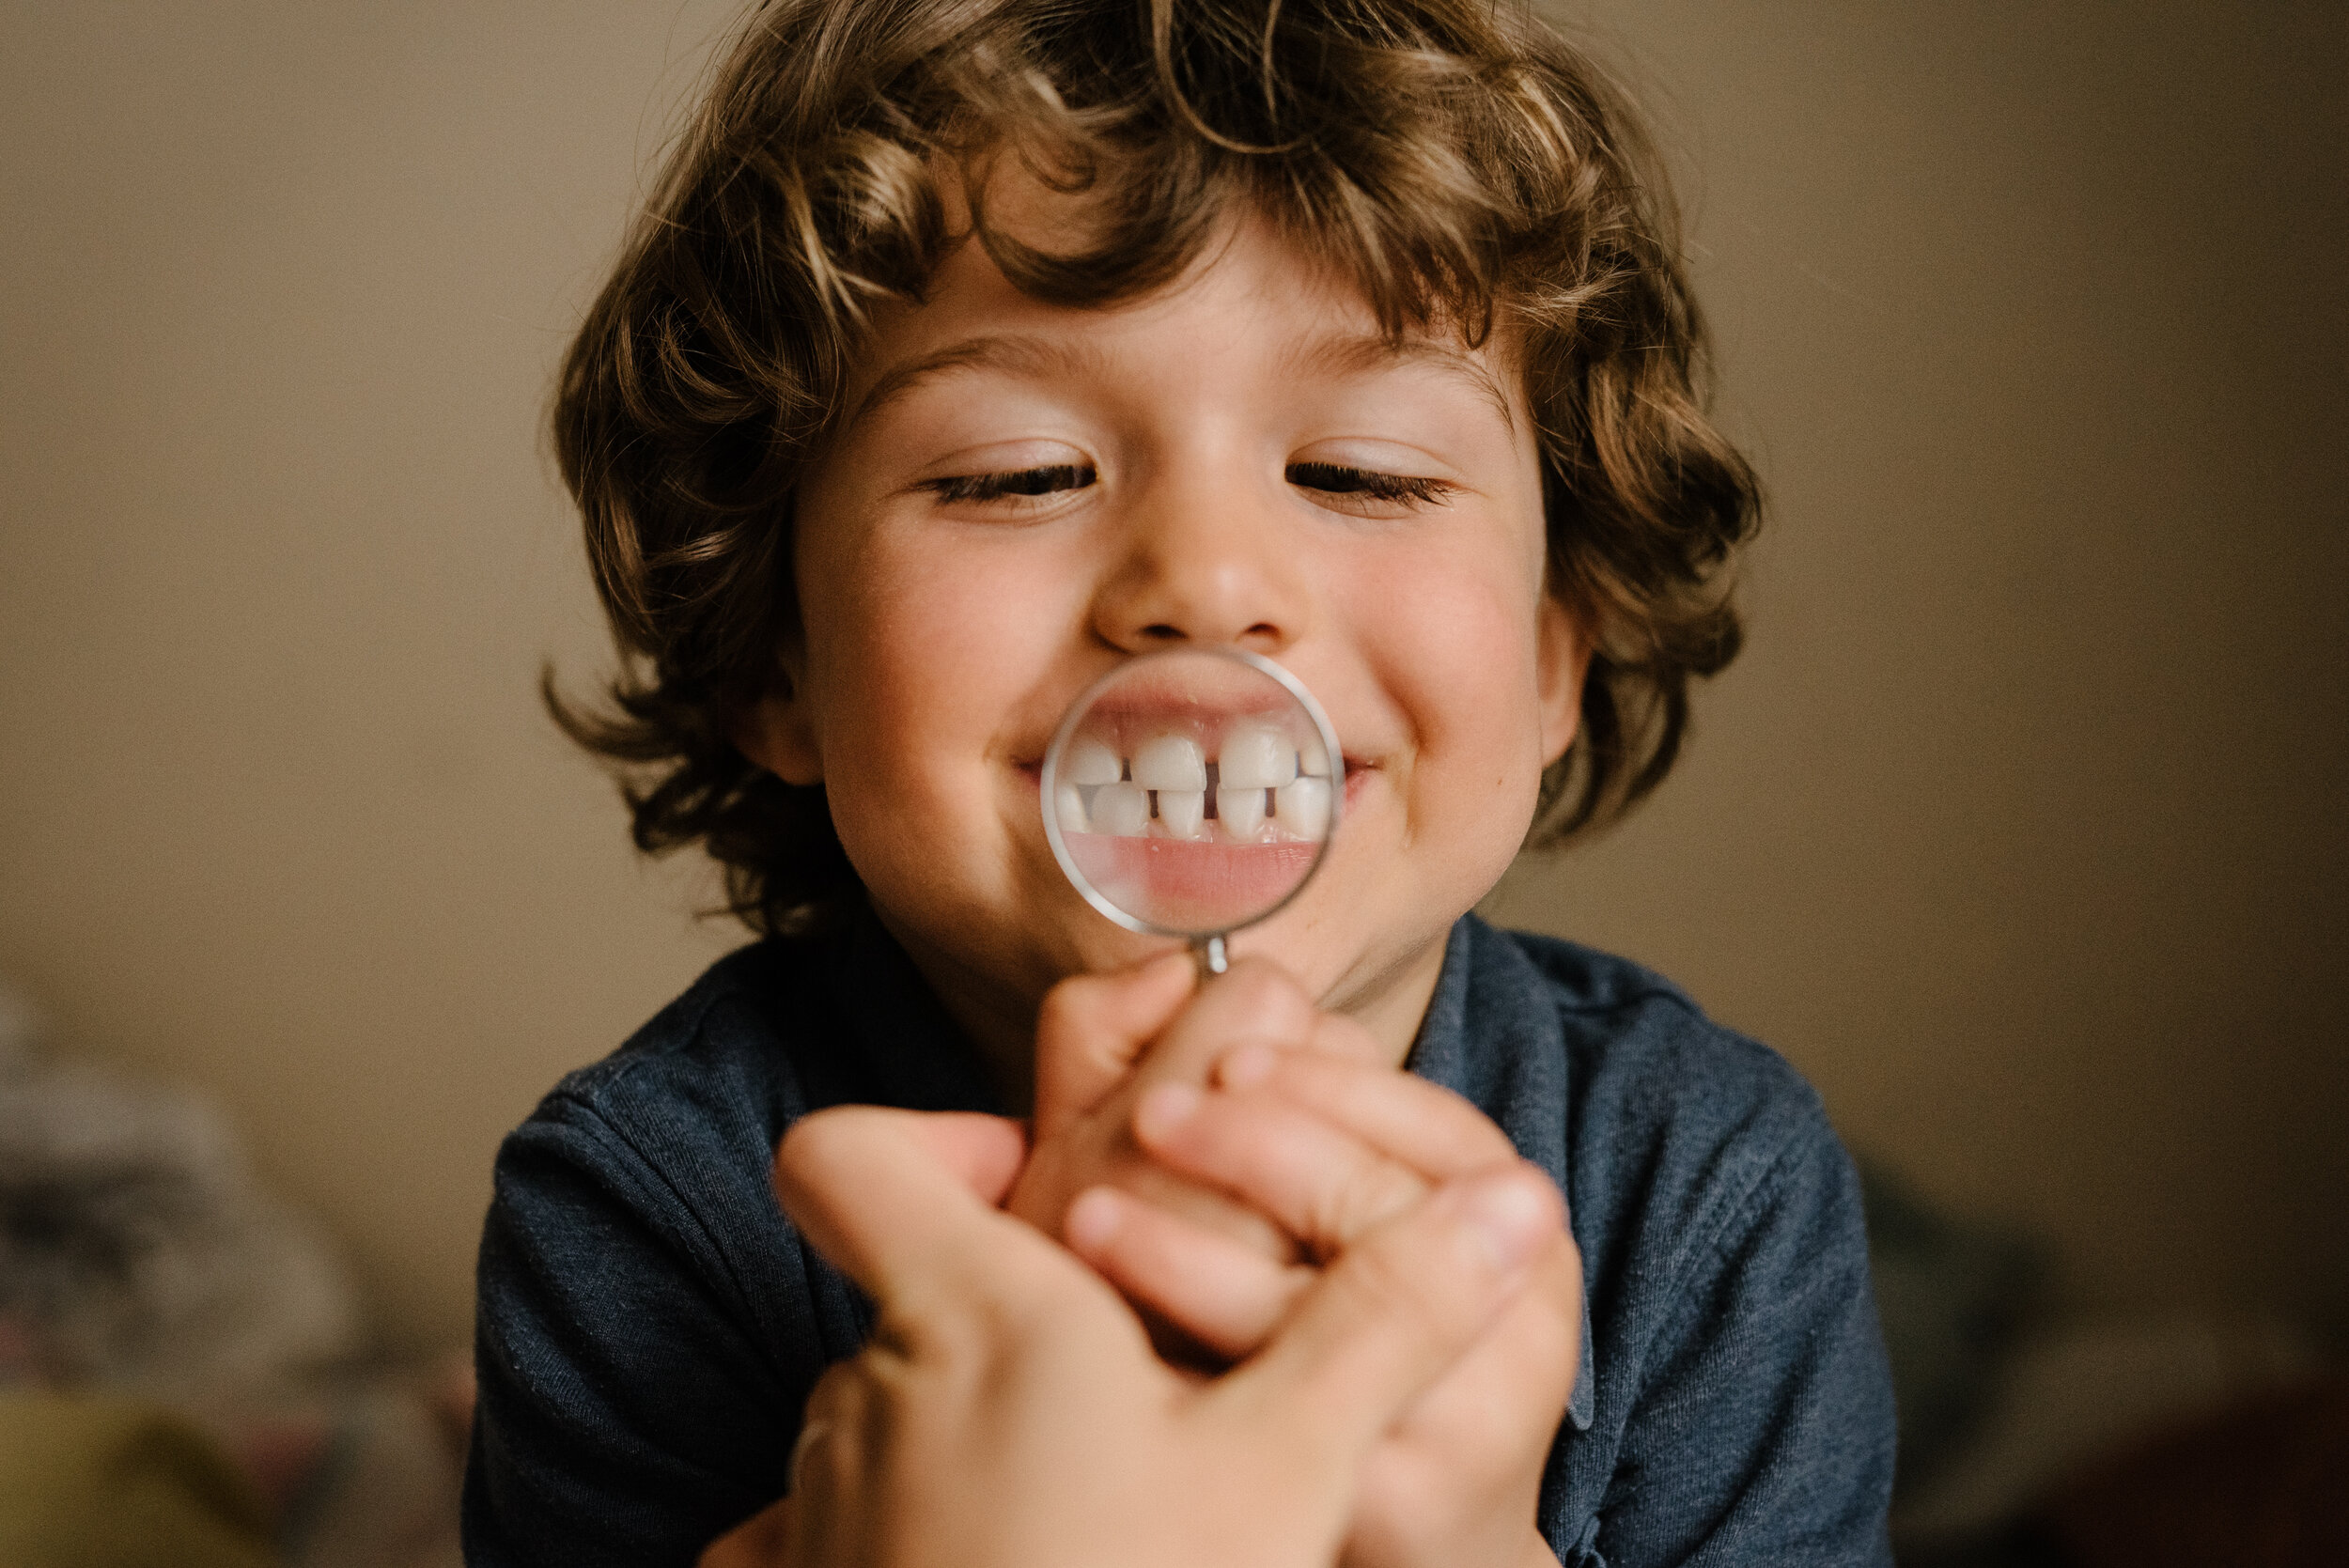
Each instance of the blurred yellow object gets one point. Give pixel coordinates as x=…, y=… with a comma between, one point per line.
x=108, y=1483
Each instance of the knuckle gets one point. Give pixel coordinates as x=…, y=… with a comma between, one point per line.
x=1070, y=1005
x=1267, y=1000
x=1363, y=1195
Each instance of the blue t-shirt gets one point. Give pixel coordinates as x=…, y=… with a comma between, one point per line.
x=650, y=1325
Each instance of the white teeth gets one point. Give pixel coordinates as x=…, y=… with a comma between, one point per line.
x=1241, y=811
x=1123, y=809
x=1090, y=762
x=1170, y=762
x=1255, y=756
x=1068, y=803
x=1261, y=772
x=1302, y=807
x=1181, y=811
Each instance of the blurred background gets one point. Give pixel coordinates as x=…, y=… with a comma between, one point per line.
x=2022, y=827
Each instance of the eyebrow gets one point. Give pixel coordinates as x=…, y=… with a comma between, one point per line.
x=1358, y=354
x=1033, y=358
x=1028, y=358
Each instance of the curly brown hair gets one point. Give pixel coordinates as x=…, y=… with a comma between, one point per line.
x=1465, y=165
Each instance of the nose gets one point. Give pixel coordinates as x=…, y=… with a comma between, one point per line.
x=1204, y=563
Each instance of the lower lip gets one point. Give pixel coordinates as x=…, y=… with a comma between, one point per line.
x=1182, y=885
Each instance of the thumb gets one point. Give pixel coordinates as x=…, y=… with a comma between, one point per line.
x=1093, y=1028
x=1398, y=1307
x=903, y=1202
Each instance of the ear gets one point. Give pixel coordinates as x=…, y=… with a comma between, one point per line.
x=777, y=732
x=1561, y=658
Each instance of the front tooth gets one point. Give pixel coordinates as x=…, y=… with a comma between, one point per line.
x=1313, y=757
x=1123, y=809
x=1069, y=804
x=1255, y=756
x=1181, y=811
x=1090, y=762
x=1302, y=807
x=1170, y=762
x=1241, y=811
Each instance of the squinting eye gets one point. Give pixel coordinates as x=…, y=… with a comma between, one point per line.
x=1338, y=479
x=1026, y=481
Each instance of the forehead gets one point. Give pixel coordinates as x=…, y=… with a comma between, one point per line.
x=1251, y=294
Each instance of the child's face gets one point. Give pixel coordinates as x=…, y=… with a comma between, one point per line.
x=1238, y=458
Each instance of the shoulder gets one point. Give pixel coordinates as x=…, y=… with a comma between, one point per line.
x=717, y=1065
x=637, y=1194
x=1734, y=1343
x=651, y=1165
x=1660, y=1093
x=1698, y=1159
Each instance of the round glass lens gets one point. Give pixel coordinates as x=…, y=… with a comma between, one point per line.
x=1192, y=792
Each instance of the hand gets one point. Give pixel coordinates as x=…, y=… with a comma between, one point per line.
x=1329, y=1148
x=1105, y=1041
x=1008, y=1411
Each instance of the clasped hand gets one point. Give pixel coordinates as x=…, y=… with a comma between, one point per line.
x=1369, y=1307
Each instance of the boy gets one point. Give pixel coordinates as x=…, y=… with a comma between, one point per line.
x=969, y=350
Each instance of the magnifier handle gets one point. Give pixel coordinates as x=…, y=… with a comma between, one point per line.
x=1209, y=954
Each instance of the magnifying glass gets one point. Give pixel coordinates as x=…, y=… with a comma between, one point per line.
x=1193, y=793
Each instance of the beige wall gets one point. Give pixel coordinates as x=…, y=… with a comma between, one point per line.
x=2019, y=828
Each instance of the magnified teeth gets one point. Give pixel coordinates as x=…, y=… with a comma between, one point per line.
x=1090, y=762
x=1068, y=803
x=1301, y=806
x=1255, y=756
x=1240, y=811
x=1170, y=762
x=1313, y=758
x=1121, y=808
x=1181, y=811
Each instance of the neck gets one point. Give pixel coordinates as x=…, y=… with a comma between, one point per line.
x=1392, y=1002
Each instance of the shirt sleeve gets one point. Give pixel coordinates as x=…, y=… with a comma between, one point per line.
x=641, y=1383
x=1763, y=1432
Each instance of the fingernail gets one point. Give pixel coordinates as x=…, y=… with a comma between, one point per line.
x=1163, y=1109
x=1509, y=1215
x=1093, y=1219
x=1249, y=1064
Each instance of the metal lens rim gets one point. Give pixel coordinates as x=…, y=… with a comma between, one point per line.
x=1084, y=704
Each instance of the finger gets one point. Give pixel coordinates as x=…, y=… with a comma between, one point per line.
x=761, y=1540
x=1425, y=1126
x=1310, y=1176
x=1092, y=1028
x=985, y=1153
x=902, y=1202
x=1397, y=1310
x=1223, y=1293
x=1204, y=1207
x=1255, y=1003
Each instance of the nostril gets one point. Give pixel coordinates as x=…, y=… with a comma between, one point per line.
x=1161, y=632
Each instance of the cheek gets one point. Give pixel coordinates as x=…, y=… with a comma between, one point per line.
x=919, y=651
x=1459, y=650
x=1453, y=645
